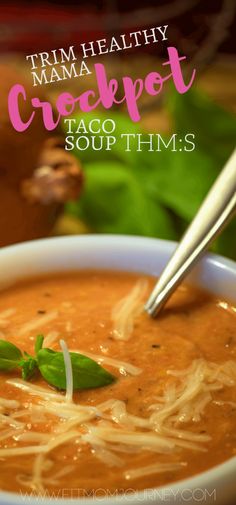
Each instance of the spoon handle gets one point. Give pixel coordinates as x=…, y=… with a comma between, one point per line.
x=215, y=211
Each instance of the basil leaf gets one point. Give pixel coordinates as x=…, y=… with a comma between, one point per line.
x=28, y=368
x=9, y=355
x=115, y=200
x=86, y=372
x=38, y=343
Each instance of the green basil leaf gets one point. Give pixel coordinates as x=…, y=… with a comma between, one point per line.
x=25, y=353
x=86, y=372
x=115, y=200
x=9, y=355
x=213, y=125
x=38, y=343
x=28, y=368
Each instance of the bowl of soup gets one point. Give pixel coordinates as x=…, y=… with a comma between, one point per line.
x=149, y=413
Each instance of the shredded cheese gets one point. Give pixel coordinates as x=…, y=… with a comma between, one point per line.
x=109, y=429
x=10, y=433
x=21, y=451
x=4, y=320
x=50, y=338
x=127, y=309
x=37, y=481
x=122, y=366
x=9, y=404
x=34, y=390
x=5, y=314
x=68, y=370
x=37, y=322
x=150, y=469
x=7, y=419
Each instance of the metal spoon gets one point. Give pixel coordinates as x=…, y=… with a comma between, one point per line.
x=216, y=210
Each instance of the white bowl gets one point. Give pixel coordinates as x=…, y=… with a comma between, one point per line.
x=137, y=254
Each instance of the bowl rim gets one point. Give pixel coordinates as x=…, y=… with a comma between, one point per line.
x=215, y=474
x=169, y=245
x=114, y=237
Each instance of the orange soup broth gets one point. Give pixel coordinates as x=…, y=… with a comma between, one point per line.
x=192, y=326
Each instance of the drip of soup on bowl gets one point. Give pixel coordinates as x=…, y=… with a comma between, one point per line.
x=168, y=413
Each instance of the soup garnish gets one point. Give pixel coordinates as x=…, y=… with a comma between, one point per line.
x=170, y=414
x=86, y=373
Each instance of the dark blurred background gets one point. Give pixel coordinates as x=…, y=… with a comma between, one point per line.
x=30, y=26
x=153, y=194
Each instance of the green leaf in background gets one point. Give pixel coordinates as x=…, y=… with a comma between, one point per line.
x=225, y=244
x=114, y=200
x=215, y=128
x=181, y=181
x=215, y=131
x=158, y=193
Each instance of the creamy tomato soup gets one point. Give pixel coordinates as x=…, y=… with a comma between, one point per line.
x=170, y=414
